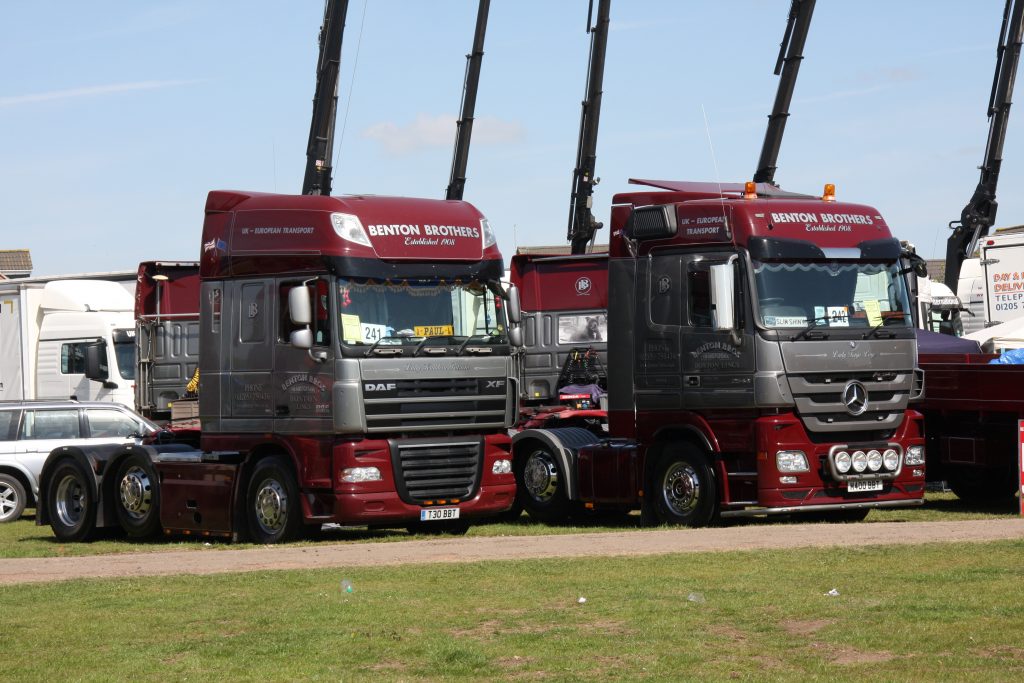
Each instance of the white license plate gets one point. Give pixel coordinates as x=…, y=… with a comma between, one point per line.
x=438, y=514
x=858, y=486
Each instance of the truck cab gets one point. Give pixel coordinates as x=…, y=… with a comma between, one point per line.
x=761, y=359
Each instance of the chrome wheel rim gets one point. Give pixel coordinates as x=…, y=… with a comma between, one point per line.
x=136, y=492
x=540, y=476
x=271, y=506
x=681, y=488
x=70, y=501
x=8, y=501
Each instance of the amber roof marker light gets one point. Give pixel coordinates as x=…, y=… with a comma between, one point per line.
x=830, y=193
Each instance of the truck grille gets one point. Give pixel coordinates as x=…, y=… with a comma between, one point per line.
x=437, y=405
x=432, y=470
x=819, y=402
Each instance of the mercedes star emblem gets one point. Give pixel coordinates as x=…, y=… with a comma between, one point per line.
x=855, y=398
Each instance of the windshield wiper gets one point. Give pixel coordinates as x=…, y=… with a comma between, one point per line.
x=374, y=345
x=807, y=330
x=419, y=347
x=874, y=330
x=462, y=346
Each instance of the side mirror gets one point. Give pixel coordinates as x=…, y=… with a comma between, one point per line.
x=300, y=308
x=515, y=313
x=301, y=339
x=723, y=297
x=96, y=367
x=515, y=337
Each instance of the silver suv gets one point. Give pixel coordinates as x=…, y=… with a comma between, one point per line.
x=29, y=430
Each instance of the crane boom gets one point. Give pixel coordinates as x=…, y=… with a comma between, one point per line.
x=582, y=223
x=320, y=147
x=791, y=53
x=464, y=126
x=979, y=214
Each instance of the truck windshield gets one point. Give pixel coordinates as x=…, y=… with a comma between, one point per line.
x=833, y=294
x=408, y=312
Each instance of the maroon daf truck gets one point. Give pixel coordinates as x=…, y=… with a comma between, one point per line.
x=760, y=355
x=355, y=360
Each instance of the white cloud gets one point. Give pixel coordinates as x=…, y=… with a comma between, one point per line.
x=439, y=131
x=90, y=91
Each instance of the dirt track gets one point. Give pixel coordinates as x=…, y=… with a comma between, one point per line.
x=748, y=537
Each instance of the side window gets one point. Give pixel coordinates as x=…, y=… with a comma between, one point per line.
x=698, y=287
x=8, y=418
x=50, y=424
x=105, y=423
x=72, y=358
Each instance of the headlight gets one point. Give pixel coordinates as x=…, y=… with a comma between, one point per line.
x=350, y=228
x=860, y=461
x=891, y=459
x=501, y=467
x=915, y=455
x=874, y=461
x=843, y=462
x=791, y=461
x=354, y=475
x=489, y=239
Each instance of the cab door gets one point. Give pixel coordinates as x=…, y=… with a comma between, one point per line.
x=717, y=366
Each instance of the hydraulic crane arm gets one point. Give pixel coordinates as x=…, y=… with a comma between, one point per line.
x=979, y=215
x=791, y=53
x=464, y=126
x=325, y=101
x=582, y=224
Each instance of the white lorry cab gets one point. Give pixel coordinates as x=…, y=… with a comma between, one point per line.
x=67, y=339
x=992, y=286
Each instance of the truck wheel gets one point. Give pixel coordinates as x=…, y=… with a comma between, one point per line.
x=273, y=511
x=685, y=491
x=69, y=502
x=138, y=496
x=540, y=485
x=12, y=498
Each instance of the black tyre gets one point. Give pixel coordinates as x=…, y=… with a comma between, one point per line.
x=273, y=510
x=12, y=498
x=137, y=496
x=70, y=502
x=541, y=484
x=684, y=488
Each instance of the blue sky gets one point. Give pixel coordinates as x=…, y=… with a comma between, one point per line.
x=119, y=117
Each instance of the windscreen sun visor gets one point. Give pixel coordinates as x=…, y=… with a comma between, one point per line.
x=775, y=249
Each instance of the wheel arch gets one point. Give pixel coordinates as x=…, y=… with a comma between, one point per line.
x=94, y=459
x=26, y=479
x=679, y=434
x=564, y=442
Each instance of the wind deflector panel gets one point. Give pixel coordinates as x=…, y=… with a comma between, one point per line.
x=652, y=222
x=771, y=248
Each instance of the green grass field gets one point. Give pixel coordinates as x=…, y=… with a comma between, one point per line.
x=903, y=613
x=24, y=539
